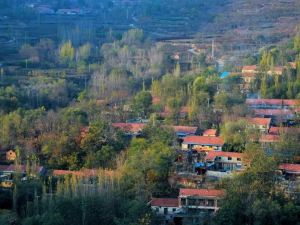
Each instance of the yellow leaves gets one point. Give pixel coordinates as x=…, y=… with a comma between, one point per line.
x=67, y=52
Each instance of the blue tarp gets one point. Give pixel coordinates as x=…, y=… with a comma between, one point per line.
x=199, y=164
x=224, y=74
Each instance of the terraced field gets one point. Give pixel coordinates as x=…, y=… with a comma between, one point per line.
x=235, y=25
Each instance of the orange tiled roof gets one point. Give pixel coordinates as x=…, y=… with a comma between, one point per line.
x=185, y=129
x=201, y=192
x=210, y=132
x=155, y=100
x=276, y=102
x=280, y=130
x=260, y=121
x=249, y=67
x=290, y=167
x=203, y=140
x=273, y=112
x=274, y=130
x=164, y=202
x=213, y=154
x=130, y=127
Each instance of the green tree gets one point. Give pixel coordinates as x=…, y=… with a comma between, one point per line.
x=67, y=52
x=252, y=198
x=84, y=51
x=101, y=144
x=142, y=103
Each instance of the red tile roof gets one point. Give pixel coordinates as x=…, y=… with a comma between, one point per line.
x=130, y=127
x=273, y=112
x=185, y=129
x=260, y=121
x=274, y=130
x=213, y=154
x=164, y=202
x=280, y=130
x=269, y=138
x=293, y=168
x=203, y=140
x=156, y=100
x=201, y=192
x=275, y=102
x=210, y=132
x=249, y=67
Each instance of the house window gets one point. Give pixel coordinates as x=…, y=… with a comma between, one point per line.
x=229, y=158
x=238, y=159
x=165, y=211
x=192, y=202
x=183, y=201
x=210, y=202
x=202, y=202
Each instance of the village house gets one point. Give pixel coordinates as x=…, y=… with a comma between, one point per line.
x=210, y=133
x=166, y=207
x=183, y=131
x=131, y=129
x=279, y=110
x=189, y=207
x=197, y=201
x=277, y=70
x=248, y=75
x=284, y=130
x=250, y=69
x=12, y=169
x=262, y=124
x=290, y=171
x=202, y=143
x=224, y=161
x=278, y=116
x=272, y=103
x=7, y=173
x=253, y=70
x=269, y=139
